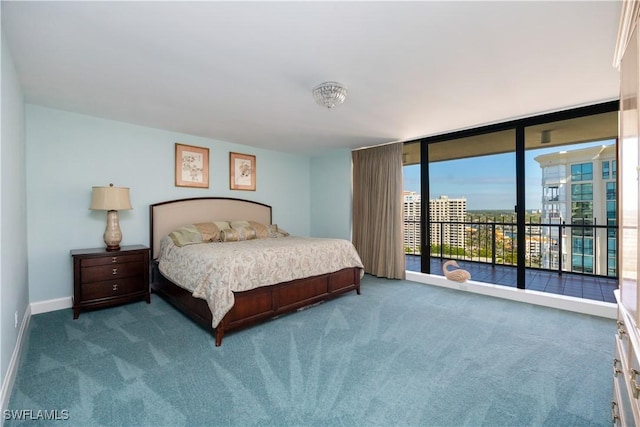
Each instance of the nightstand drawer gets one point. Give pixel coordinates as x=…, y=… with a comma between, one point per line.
x=112, y=271
x=104, y=278
x=113, y=259
x=113, y=288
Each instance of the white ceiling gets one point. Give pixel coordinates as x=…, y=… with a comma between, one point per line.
x=243, y=71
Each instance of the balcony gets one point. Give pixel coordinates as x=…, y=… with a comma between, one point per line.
x=489, y=252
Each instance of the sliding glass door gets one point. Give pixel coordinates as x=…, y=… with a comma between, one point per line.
x=472, y=195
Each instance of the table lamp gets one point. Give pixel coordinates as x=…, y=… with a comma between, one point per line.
x=111, y=199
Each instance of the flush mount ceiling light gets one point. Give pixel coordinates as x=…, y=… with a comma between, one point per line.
x=330, y=94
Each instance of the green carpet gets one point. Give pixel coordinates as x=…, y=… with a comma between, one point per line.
x=400, y=354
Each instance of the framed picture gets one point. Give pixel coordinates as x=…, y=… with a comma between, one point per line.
x=192, y=166
x=242, y=171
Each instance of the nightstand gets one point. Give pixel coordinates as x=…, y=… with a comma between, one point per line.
x=104, y=278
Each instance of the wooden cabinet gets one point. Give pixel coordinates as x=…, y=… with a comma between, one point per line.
x=102, y=278
x=625, y=405
x=628, y=175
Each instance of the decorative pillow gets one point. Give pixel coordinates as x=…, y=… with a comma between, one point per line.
x=262, y=231
x=222, y=225
x=186, y=235
x=236, y=224
x=209, y=230
x=275, y=231
x=237, y=234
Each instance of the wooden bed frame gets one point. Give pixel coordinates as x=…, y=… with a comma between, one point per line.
x=251, y=306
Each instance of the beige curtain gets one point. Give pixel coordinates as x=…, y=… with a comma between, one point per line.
x=377, y=210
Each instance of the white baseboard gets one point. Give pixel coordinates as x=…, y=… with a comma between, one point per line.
x=579, y=305
x=51, y=305
x=12, y=369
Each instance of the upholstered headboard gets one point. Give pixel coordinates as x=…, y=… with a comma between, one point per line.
x=167, y=216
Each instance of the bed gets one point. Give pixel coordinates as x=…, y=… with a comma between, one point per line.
x=253, y=297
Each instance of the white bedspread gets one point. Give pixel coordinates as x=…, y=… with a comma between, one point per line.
x=213, y=271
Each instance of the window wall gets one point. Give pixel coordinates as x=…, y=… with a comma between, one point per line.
x=412, y=208
x=536, y=193
x=576, y=159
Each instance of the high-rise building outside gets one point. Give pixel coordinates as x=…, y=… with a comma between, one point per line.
x=579, y=190
x=452, y=212
x=411, y=211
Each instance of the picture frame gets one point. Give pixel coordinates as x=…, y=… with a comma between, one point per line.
x=192, y=166
x=242, y=172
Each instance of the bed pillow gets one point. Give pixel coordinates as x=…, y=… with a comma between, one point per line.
x=262, y=230
x=209, y=230
x=237, y=224
x=237, y=234
x=222, y=225
x=186, y=235
x=275, y=231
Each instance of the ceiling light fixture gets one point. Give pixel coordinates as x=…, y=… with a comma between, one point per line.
x=545, y=137
x=329, y=94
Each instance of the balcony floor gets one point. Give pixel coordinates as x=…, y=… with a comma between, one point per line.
x=570, y=284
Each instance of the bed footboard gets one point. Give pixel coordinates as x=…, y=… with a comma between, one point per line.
x=258, y=304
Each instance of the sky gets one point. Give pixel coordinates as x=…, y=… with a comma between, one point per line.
x=488, y=182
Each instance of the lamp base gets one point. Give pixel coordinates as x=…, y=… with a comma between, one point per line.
x=112, y=234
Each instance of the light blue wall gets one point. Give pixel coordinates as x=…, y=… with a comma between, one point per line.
x=331, y=195
x=69, y=153
x=14, y=291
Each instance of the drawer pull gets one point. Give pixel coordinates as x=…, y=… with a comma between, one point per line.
x=616, y=369
x=621, y=330
x=114, y=271
x=634, y=384
x=115, y=287
x=615, y=416
x=114, y=259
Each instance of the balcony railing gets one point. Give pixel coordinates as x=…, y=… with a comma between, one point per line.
x=585, y=248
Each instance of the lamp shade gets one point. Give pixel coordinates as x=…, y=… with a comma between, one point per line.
x=110, y=198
